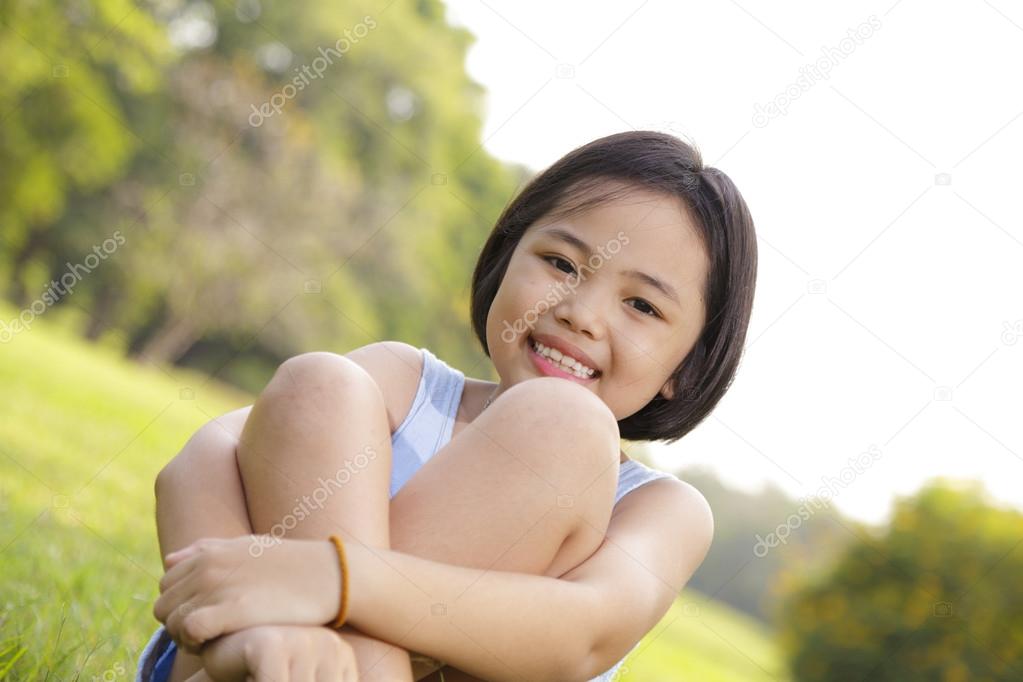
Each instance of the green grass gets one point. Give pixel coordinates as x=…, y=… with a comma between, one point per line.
x=702, y=639
x=82, y=435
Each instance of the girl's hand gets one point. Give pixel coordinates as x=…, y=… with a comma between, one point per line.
x=278, y=653
x=215, y=587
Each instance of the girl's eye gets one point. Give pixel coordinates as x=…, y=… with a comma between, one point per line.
x=652, y=309
x=649, y=311
x=562, y=260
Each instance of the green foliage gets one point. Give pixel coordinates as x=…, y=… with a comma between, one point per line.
x=285, y=176
x=937, y=597
x=66, y=68
x=740, y=569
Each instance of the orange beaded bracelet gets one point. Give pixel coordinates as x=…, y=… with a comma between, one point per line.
x=342, y=612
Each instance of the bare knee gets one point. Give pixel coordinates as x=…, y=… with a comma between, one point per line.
x=303, y=406
x=319, y=367
x=572, y=440
x=562, y=423
x=564, y=407
x=320, y=374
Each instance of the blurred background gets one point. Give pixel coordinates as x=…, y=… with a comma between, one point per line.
x=192, y=192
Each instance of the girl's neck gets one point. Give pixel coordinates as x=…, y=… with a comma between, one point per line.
x=474, y=397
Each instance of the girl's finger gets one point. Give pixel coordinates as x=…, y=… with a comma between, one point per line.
x=200, y=676
x=182, y=567
x=176, y=627
x=177, y=555
x=173, y=626
x=303, y=667
x=172, y=599
x=271, y=669
x=326, y=671
x=347, y=664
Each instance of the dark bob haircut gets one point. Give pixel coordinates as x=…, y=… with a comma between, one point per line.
x=665, y=164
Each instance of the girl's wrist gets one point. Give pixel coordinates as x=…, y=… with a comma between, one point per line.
x=329, y=579
x=363, y=564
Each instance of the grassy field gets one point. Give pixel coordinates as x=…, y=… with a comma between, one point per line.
x=82, y=436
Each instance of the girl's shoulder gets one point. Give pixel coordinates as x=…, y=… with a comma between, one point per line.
x=397, y=368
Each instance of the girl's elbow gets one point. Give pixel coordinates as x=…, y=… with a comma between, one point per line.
x=575, y=664
x=581, y=670
x=562, y=663
x=596, y=657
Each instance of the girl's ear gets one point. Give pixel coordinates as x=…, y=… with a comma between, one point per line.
x=668, y=390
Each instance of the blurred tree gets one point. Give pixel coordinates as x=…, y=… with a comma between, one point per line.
x=749, y=555
x=285, y=177
x=68, y=67
x=937, y=597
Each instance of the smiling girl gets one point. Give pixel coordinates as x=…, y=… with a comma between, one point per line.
x=494, y=530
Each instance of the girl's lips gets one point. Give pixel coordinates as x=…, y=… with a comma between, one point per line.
x=550, y=369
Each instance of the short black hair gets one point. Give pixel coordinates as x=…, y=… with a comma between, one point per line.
x=665, y=164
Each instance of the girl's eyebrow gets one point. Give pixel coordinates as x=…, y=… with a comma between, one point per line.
x=569, y=238
x=661, y=286
x=564, y=235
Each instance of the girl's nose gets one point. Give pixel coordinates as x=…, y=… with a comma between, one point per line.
x=580, y=315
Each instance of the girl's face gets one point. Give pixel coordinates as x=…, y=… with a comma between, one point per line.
x=603, y=303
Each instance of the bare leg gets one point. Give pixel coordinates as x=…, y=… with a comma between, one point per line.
x=516, y=443
x=315, y=459
x=199, y=495
x=521, y=489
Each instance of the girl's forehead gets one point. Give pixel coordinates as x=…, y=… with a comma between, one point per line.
x=647, y=216
x=596, y=193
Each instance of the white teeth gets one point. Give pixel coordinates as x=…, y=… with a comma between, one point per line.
x=569, y=364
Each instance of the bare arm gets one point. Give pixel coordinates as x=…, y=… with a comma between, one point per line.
x=658, y=536
x=496, y=625
x=492, y=624
x=499, y=625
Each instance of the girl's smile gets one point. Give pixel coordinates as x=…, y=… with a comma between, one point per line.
x=560, y=359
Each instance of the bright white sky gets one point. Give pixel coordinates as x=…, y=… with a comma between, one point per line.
x=921, y=278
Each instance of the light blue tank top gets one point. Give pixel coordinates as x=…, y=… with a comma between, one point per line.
x=429, y=424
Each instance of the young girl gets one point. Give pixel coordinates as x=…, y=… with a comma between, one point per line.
x=496, y=531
